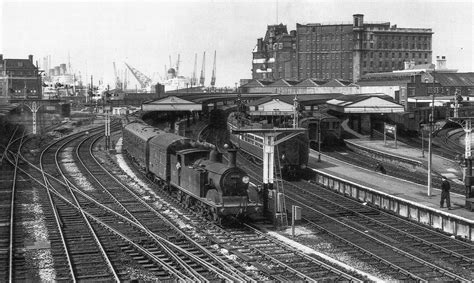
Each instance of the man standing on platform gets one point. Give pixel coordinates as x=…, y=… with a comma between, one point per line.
x=445, y=187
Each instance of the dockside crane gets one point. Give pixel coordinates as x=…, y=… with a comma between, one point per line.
x=125, y=79
x=203, y=70
x=213, y=77
x=194, y=79
x=118, y=83
x=177, y=65
x=142, y=79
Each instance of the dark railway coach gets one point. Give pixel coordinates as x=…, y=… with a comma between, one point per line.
x=190, y=171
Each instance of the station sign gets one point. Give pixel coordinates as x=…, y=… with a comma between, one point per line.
x=391, y=129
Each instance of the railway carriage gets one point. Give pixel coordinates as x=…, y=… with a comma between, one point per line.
x=136, y=137
x=322, y=126
x=191, y=171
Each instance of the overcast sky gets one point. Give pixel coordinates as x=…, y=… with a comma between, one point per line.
x=145, y=33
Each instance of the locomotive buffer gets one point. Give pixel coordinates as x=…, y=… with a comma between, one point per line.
x=279, y=213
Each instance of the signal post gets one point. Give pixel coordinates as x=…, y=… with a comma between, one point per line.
x=278, y=215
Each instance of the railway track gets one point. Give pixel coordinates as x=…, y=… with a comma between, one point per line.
x=11, y=263
x=256, y=253
x=188, y=254
x=235, y=275
x=401, y=249
x=72, y=268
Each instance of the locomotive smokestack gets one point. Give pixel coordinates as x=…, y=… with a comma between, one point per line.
x=215, y=155
x=232, y=157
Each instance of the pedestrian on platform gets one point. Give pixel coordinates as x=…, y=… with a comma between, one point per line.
x=379, y=167
x=445, y=187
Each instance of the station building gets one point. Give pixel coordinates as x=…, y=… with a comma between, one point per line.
x=19, y=79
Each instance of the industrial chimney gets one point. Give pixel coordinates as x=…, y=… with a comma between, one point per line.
x=441, y=63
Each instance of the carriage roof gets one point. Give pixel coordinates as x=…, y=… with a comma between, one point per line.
x=142, y=130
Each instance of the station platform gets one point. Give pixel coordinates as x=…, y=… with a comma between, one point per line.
x=440, y=165
x=400, y=196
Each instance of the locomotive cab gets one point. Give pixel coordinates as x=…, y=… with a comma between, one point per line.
x=185, y=174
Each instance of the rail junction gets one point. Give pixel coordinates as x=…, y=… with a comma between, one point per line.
x=101, y=207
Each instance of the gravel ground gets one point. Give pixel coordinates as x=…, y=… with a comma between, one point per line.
x=36, y=238
x=312, y=243
x=71, y=168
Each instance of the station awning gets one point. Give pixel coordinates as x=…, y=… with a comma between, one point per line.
x=364, y=104
x=171, y=103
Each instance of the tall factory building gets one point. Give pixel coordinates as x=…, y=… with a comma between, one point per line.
x=343, y=51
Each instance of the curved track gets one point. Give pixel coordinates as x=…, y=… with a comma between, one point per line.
x=11, y=262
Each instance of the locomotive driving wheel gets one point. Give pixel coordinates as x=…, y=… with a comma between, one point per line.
x=188, y=201
x=179, y=196
x=214, y=216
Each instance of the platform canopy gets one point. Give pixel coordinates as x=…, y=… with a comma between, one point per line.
x=360, y=104
x=171, y=103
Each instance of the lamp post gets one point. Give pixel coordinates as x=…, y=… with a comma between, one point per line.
x=422, y=143
x=319, y=140
x=431, y=120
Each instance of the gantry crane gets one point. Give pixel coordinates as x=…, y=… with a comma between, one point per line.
x=194, y=79
x=203, y=70
x=213, y=77
x=177, y=65
x=142, y=79
x=118, y=83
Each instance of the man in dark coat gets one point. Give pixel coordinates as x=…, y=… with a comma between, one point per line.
x=445, y=187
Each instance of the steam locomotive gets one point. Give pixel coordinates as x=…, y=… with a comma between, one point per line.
x=292, y=154
x=192, y=172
